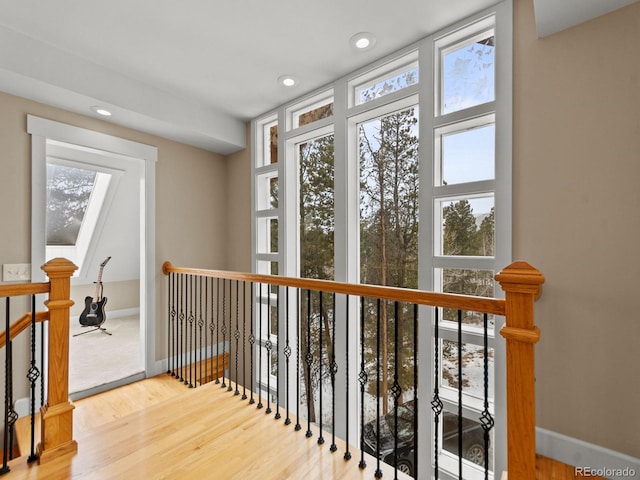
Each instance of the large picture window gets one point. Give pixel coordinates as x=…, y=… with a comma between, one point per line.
x=401, y=180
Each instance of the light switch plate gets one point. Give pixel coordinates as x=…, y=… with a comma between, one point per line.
x=16, y=272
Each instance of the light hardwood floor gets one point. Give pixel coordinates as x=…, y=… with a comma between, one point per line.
x=160, y=429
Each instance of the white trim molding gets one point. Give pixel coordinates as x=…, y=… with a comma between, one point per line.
x=42, y=132
x=591, y=459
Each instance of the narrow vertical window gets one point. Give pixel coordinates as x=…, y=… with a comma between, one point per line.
x=316, y=179
x=388, y=151
x=388, y=154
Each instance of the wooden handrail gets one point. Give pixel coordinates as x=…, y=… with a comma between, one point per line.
x=20, y=289
x=22, y=324
x=448, y=300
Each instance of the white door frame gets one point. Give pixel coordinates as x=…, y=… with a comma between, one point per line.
x=42, y=130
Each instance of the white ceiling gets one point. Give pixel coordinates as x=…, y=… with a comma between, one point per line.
x=553, y=16
x=196, y=70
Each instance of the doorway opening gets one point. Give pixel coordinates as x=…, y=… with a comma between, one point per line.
x=102, y=189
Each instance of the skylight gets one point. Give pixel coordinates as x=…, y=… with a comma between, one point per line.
x=75, y=197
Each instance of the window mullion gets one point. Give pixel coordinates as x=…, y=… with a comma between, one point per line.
x=426, y=381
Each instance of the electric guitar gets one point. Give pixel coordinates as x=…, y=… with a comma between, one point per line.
x=93, y=314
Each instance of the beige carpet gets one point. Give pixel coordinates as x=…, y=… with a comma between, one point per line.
x=96, y=358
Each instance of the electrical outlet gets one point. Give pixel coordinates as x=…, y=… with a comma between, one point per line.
x=16, y=272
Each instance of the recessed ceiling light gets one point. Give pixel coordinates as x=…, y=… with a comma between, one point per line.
x=288, y=80
x=101, y=111
x=363, y=41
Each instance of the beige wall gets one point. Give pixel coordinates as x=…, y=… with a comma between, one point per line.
x=576, y=218
x=239, y=201
x=191, y=194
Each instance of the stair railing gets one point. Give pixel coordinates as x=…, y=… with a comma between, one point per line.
x=56, y=411
x=215, y=302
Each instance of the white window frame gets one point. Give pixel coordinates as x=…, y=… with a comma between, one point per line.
x=344, y=121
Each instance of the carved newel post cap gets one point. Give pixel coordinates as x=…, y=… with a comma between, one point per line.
x=59, y=267
x=520, y=277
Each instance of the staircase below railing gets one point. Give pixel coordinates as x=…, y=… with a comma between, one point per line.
x=310, y=350
x=56, y=411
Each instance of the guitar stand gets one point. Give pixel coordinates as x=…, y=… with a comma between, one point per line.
x=102, y=329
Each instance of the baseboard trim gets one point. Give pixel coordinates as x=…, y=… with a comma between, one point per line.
x=125, y=312
x=107, y=386
x=592, y=458
x=162, y=366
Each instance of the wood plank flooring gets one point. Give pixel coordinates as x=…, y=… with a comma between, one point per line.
x=201, y=433
x=160, y=429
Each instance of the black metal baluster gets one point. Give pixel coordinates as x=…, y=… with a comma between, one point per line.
x=333, y=369
x=277, y=415
x=396, y=389
x=218, y=307
x=5, y=443
x=174, y=324
x=415, y=389
x=436, y=404
x=460, y=393
x=170, y=326
x=181, y=329
x=43, y=366
x=309, y=360
x=298, y=426
x=268, y=346
x=486, y=419
x=237, y=332
x=320, y=438
x=260, y=346
x=207, y=326
x=192, y=318
x=185, y=332
x=212, y=328
x=347, y=453
x=229, y=387
x=200, y=326
x=33, y=375
x=224, y=329
x=287, y=354
x=244, y=340
x=13, y=415
x=362, y=378
x=252, y=341
x=378, y=472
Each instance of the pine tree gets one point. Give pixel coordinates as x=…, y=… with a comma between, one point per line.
x=316, y=207
x=459, y=231
x=389, y=220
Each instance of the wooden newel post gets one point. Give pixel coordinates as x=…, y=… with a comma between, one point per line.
x=57, y=413
x=522, y=285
